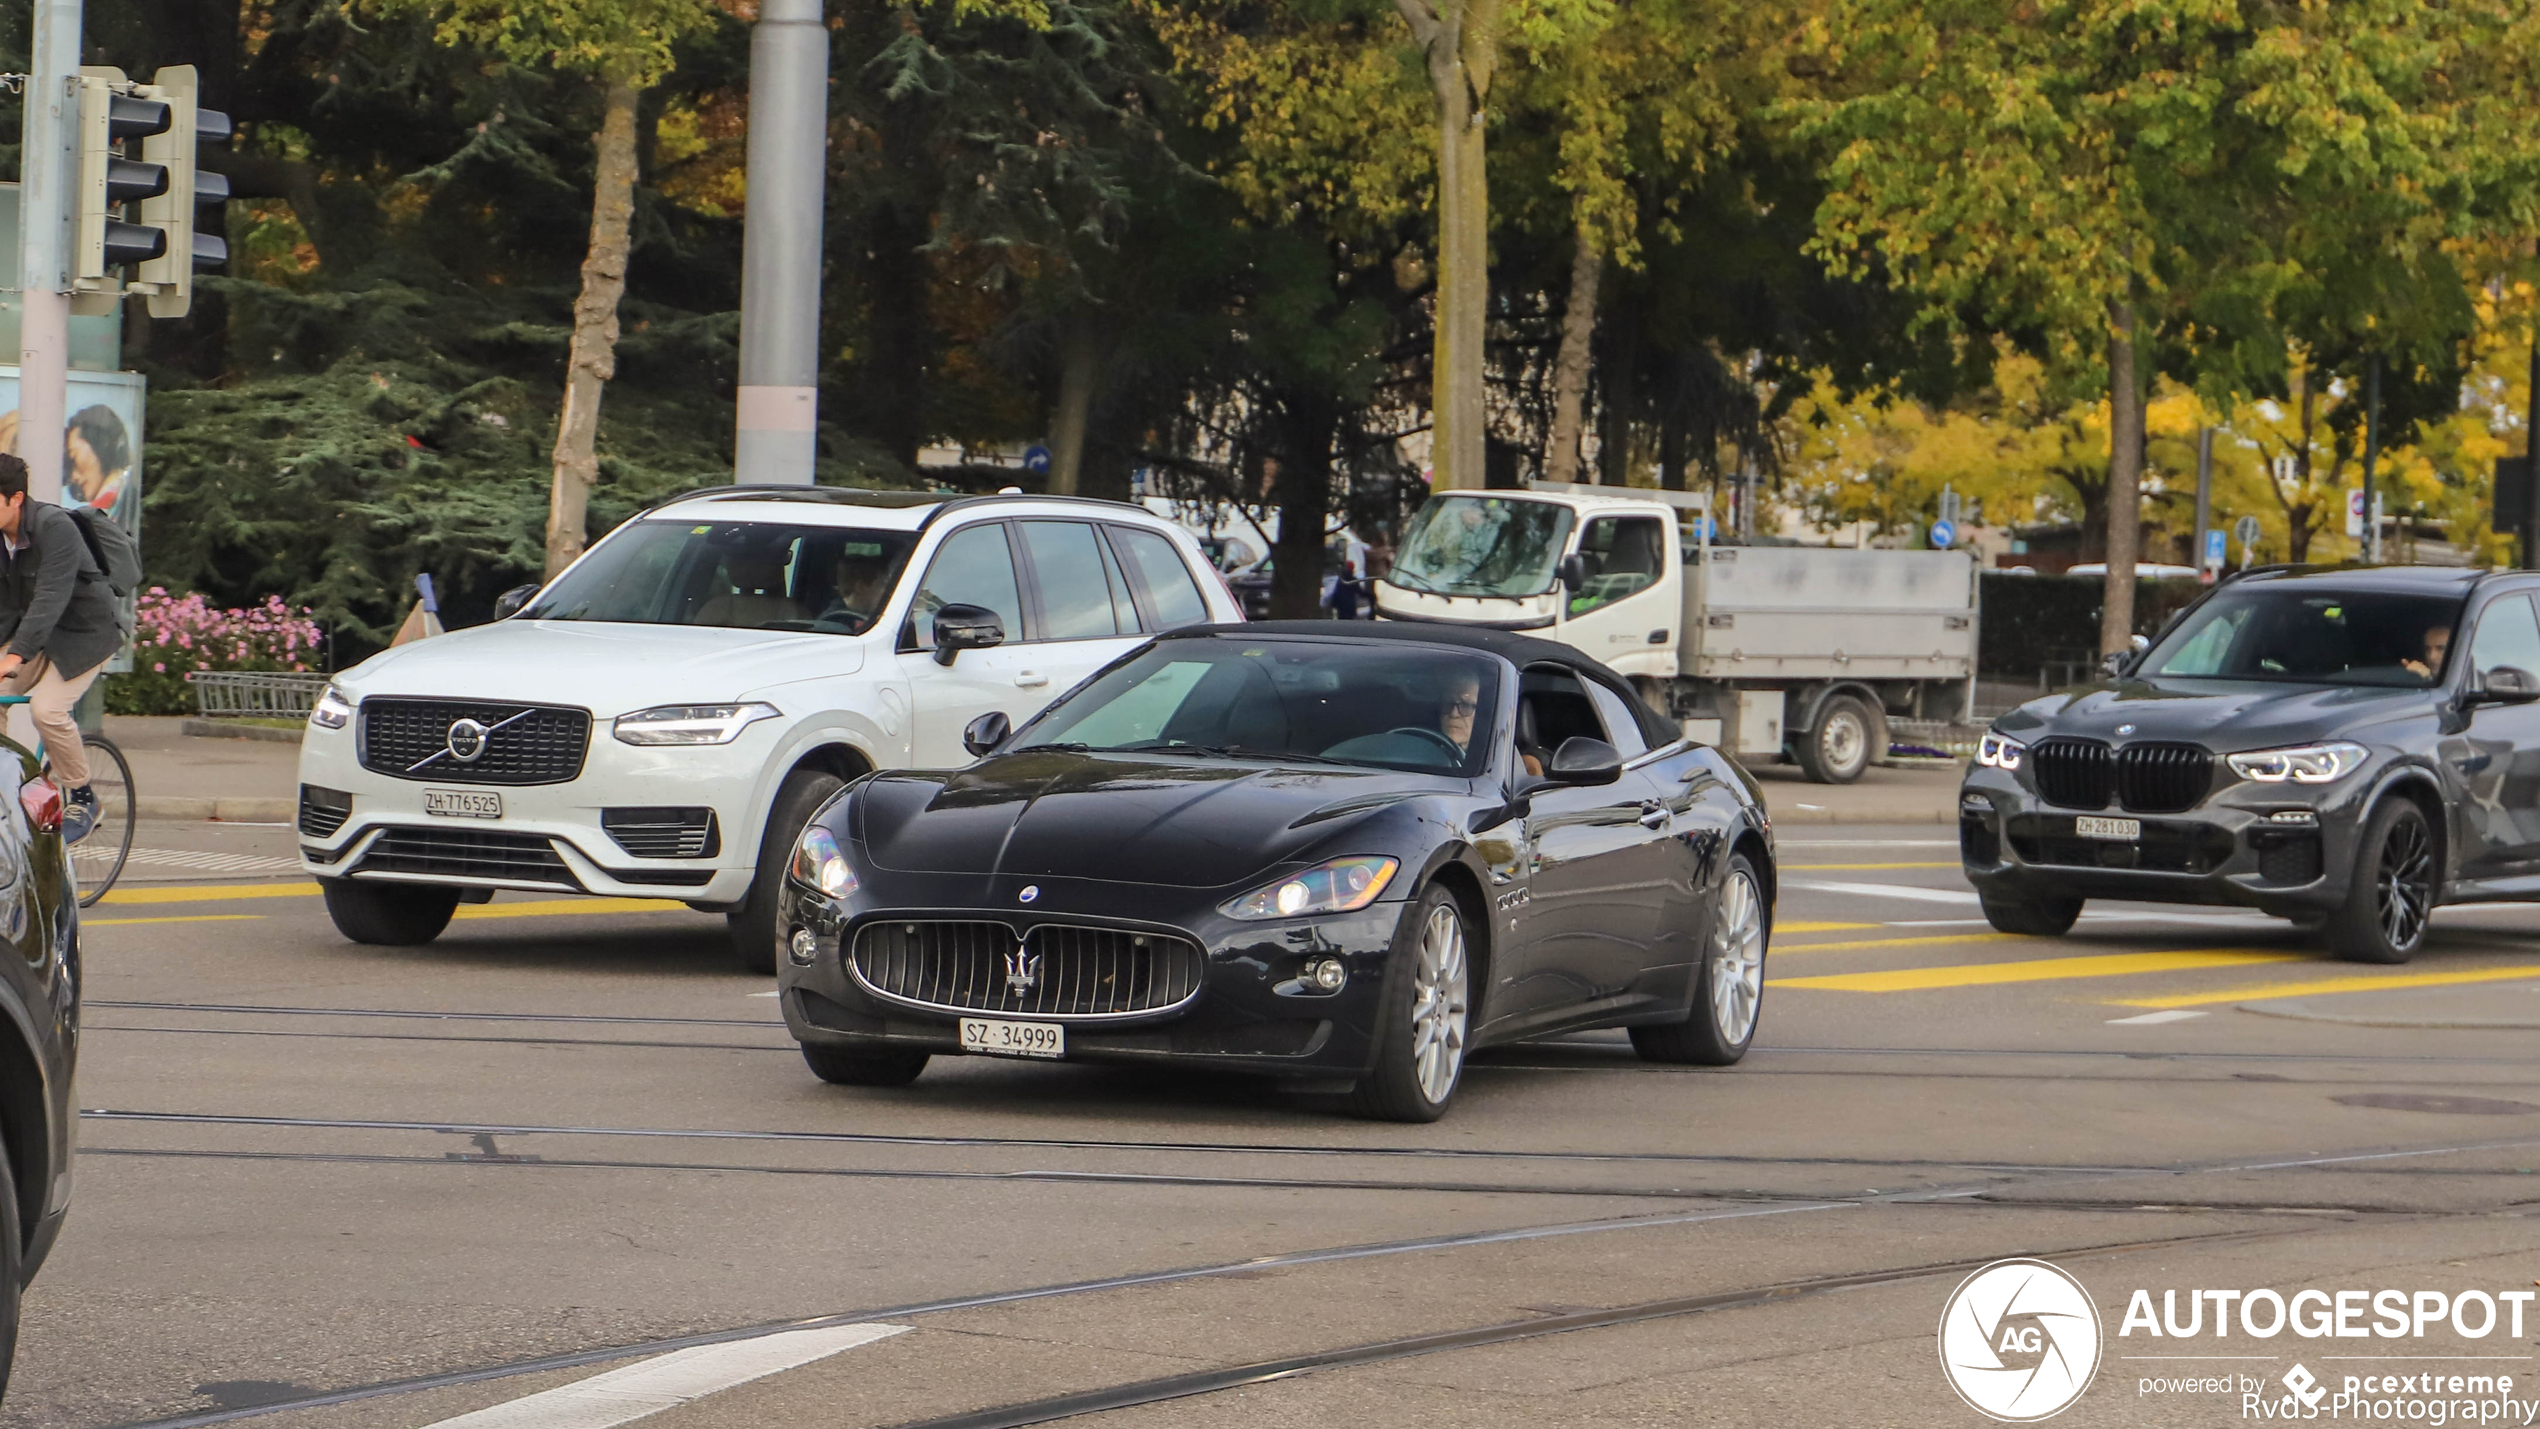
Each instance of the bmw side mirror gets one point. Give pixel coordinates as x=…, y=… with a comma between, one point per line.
x=965, y=627
x=986, y=733
x=1581, y=760
x=1573, y=572
x=509, y=603
x=2504, y=685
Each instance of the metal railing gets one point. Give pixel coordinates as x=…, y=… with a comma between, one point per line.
x=240, y=694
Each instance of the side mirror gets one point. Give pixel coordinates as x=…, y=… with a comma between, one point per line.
x=2504, y=685
x=1581, y=760
x=508, y=604
x=1573, y=573
x=965, y=627
x=986, y=733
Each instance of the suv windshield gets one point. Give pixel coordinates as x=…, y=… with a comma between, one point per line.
x=1394, y=707
x=2310, y=635
x=749, y=575
x=1482, y=545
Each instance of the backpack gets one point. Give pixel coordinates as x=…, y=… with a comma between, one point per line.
x=117, y=555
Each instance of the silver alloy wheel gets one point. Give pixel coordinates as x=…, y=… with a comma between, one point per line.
x=1737, y=960
x=1438, y=1004
x=1843, y=742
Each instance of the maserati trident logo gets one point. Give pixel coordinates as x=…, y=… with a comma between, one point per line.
x=1022, y=970
x=1030, y=892
x=466, y=741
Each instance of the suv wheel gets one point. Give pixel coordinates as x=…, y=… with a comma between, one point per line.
x=2032, y=917
x=754, y=932
x=2392, y=893
x=395, y=915
x=1848, y=736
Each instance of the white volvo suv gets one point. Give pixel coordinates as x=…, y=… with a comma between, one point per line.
x=663, y=718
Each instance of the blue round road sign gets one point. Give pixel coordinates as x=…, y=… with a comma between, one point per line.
x=1943, y=535
x=1036, y=458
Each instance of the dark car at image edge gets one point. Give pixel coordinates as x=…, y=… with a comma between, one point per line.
x=39, y=1030
x=2347, y=749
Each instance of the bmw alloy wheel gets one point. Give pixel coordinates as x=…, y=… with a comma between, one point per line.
x=1439, y=1001
x=2404, y=885
x=1737, y=959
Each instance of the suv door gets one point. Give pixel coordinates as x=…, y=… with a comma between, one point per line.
x=1168, y=596
x=973, y=565
x=1083, y=616
x=1623, y=605
x=2496, y=756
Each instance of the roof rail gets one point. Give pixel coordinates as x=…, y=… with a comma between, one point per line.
x=791, y=491
x=958, y=503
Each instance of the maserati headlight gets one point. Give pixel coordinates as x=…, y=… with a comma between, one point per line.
x=1996, y=752
x=818, y=863
x=2305, y=764
x=690, y=724
x=1343, y=885
x=332, y=710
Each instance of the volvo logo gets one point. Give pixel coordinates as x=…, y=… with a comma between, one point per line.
x=467, y=741
x=1022, y=970
x=2125, y=729
x=1030, y=892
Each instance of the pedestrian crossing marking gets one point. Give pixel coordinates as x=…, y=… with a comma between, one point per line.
x=2367, y=982
x=1823, y=927
x=552, y=907
x=210, y=892
x=178, y=918
x=1853, y=943
x=2034, y=970
x=1831, y=867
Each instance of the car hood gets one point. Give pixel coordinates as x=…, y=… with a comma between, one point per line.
x=2223, y=715
x=1053, y=814
x=605, y=668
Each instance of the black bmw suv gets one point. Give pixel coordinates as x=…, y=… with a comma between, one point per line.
x=39, y=1029
x=2347, y=749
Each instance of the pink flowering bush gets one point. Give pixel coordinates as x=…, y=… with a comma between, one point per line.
x=177, y=633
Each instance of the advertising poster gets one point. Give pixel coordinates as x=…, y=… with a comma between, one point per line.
x=101, y=449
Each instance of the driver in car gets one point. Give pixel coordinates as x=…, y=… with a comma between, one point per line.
x=1459, y=709
x=862, y=583
x=2438, y=643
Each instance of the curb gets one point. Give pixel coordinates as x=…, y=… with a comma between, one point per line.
x=222, y=729
x=232, y=810
x=2300, y=1012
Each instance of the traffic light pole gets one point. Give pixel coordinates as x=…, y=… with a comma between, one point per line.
x=776, y=424
x=44, y=212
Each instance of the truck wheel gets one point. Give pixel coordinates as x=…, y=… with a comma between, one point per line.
x=2033, y=917
x=392, y=915
x=753, y=924
x=1849, y=734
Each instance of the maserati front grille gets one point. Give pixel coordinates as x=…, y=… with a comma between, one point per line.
x=1053, y=970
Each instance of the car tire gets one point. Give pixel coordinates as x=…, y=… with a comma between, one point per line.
x=2032, y=917
x=1728, y=988
x=840, y=1067
x=12, y=1270
x=755, y=936
x=389, y=915
x=2391, y=895
x=1847, y=737
x=1423, y=1015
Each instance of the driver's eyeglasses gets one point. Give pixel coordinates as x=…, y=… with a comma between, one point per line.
x=1464, y=706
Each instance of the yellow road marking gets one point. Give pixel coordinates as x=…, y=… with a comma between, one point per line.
x=181, y=918
x=1890, y=942
x=2372, y=982
x=1831, y=867
x=2031, y=970
x=551, y=907
x=1822, y=927
x=209, y=892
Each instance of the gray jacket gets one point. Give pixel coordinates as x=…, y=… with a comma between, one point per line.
x=53, y=599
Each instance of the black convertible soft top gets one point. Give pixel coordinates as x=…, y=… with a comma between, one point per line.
x=1518, y=650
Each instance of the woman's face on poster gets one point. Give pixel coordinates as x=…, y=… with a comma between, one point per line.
x=88, y=474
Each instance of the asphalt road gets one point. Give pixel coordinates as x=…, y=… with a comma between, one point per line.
x=324, y=1184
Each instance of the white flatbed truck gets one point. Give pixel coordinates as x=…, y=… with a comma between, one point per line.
x=1802, y=651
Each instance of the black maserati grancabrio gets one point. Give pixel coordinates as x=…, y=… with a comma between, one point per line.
x=2343, y=748
x=1340, y=858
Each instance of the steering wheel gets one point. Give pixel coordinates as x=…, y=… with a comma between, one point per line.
x=1453, y=751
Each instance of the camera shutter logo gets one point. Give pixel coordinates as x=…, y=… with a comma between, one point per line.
x=2019, y=1341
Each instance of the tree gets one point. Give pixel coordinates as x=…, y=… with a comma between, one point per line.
x=624, y=46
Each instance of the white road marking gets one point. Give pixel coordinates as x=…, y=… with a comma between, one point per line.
x=668, y=1381
x=2154, y=1019
x=1886, y=890
x=770, y=993
x=215, y=862
x=1866, y=843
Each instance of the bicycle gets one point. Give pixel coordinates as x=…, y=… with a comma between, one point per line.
x=98, y=860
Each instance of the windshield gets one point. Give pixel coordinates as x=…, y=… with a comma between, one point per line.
x=1391, y=707
x=2314, y=636
x=1482, y=545
x=750, y=575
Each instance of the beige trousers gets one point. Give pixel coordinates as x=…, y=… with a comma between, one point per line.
x=50, y=698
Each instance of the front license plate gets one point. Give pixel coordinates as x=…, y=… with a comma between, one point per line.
x=1013, y=1039
x=463, y=803
x=2126, y=829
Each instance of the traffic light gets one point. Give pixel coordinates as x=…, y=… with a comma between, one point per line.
x=110, y=119
x=189, y=189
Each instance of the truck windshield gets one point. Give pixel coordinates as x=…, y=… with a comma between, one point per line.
x=2311, y=636
x=1482, y=545
x=754, y=575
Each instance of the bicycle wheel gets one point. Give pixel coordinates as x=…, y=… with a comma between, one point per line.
x=98, y=859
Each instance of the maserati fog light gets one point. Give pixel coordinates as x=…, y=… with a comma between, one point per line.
x=1326, y=974
x=802, y=945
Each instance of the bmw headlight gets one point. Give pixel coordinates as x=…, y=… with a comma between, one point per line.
x=1344, y=885
x=1997, y=752
x=818, y=863
x=690, y=724
x=2304, y=764
x=332, y=710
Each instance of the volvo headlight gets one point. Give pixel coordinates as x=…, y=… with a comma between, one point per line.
x=1343, y=885
x=2304, y=764
x=818, y=862
x=1997, y=752
x=332, y=710
x=690, y=724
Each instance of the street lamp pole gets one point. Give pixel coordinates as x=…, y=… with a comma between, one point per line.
x=44, y=214
x=776, y=422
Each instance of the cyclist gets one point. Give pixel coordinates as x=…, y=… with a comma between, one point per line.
x=61, y=622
